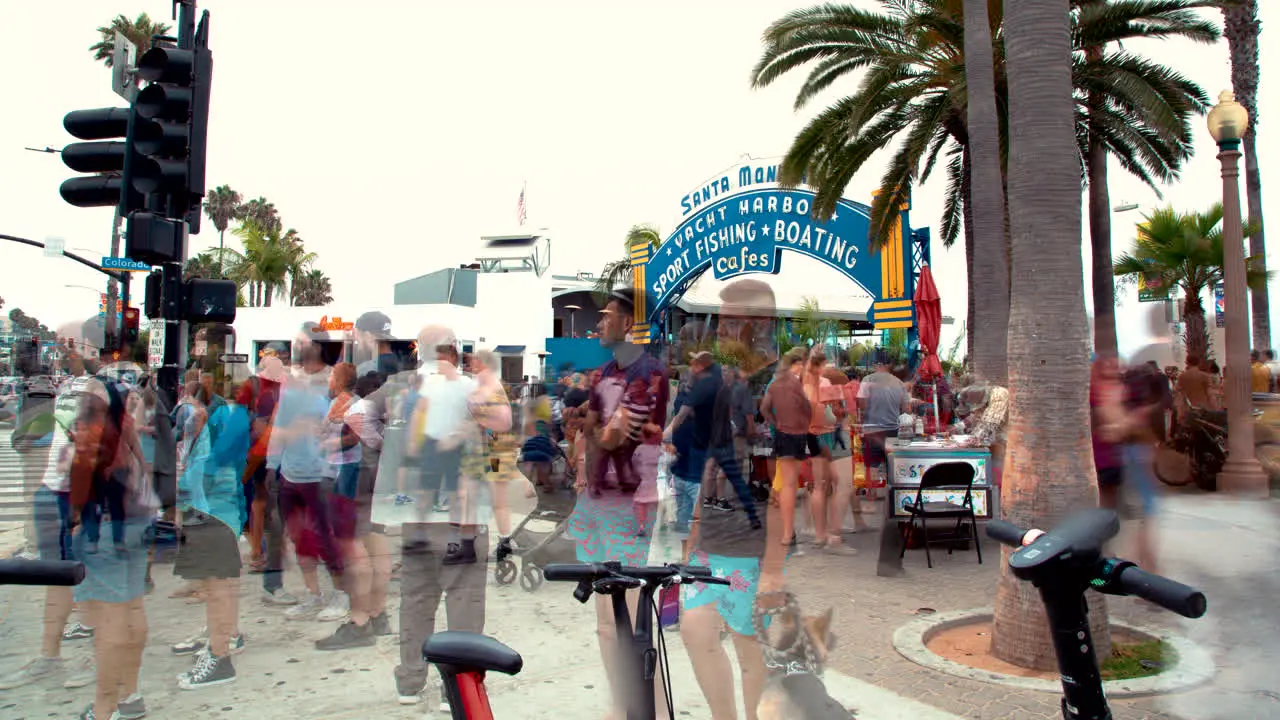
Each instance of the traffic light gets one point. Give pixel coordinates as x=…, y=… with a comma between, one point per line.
x=152, y=296
x=131, y=323
x=171, y=122
x=105, y=157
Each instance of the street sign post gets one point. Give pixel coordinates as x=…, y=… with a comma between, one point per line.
x=155, y=347
x=233, y=358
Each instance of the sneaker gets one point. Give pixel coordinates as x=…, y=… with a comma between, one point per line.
x=41, y=667
x=306, y=609
x=208, y=672
x=338, y=608
x=402, y=499
x=193, y=645
x=81, y=673
x=76, y=631
x=463, y=553
x=131, y=708
x=721, y=504
x=504, y=549
x=381, y=624
x=279, y=596
x=88, y=713
x=709, y=502
x=348, y=635
x=441, y=506
x=444, y=706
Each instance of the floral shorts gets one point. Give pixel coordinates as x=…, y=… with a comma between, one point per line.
x=611, y=528
x=736, y=601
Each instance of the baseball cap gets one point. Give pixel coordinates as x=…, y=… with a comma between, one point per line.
x=376, y=323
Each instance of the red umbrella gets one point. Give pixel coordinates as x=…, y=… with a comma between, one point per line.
x=928, y=324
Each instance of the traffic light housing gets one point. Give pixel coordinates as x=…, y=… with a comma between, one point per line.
x=170, y=131
x=152, y=239
x=132, y=321
x=106, y=157
x=152, y=295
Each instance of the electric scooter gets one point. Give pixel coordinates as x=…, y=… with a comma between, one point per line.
x=1065, y=562
x=41, y=572
x=463, y=658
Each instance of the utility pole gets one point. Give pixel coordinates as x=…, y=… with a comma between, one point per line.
x=112, y=327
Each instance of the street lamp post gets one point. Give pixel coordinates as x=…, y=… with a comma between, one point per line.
x=1242, y=473
x=573, y=313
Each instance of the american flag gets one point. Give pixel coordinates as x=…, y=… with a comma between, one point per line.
x=522, y=212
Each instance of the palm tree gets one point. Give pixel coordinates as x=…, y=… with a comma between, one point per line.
x=1170, y=116
x=1242, y=29
x=300, y=260
x=1184, y=250
x=1049, y=467
x=312, y=289
x=264, y=264
x=913, y=89
x=987, y=197
x=139, y=31
x=222, y=205
x=207, y=264
x=810, y=325
x=618, y=272
x=261, y=213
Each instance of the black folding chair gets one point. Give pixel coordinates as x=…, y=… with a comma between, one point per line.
x=948, y=475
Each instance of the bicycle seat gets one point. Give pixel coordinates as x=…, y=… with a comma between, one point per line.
x=471, y=650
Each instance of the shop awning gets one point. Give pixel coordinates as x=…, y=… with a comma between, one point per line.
x=509, y=350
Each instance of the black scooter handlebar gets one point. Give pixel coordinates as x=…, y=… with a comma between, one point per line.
x=1116, y=577
x=1006, y=532
x=41, y=572
x=1168, y=594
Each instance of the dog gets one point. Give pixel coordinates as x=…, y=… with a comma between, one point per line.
x=793, y=689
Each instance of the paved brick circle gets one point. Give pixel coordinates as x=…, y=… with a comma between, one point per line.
x=1195, y=665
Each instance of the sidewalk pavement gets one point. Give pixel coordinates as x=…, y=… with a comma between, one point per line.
x=1207, y=541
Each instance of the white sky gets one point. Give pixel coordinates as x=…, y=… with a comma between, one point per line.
x=394, y=142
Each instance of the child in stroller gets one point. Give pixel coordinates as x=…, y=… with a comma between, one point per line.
x=553, y=479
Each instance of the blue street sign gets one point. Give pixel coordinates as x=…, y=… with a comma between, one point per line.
x=110, y=263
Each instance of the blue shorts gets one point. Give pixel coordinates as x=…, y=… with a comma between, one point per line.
x=348, y=480
x=686, y=492
x=114, y=575
x=735, y=602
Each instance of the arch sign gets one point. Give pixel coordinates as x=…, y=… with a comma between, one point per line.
x=740, y=222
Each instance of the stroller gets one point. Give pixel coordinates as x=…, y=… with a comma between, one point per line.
x=556, y=500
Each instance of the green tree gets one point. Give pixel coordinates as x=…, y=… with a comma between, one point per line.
x=1242, y=30
x=207, y=264
x=261, y=213
x=810, y=326
x=263, y=266
x=1184, y=250
x=312, y=289
x=299, y=260
x=222, y=205
x=617, y=273
x=139, y=31
x=1048, y=465
x=913, y=94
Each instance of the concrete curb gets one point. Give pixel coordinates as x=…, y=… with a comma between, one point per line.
x=1195, y=664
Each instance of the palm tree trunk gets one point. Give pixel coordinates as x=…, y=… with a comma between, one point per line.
x=1242, y=29
x=991, y=342
x=222, y=234
x=966, y=193
x=1104, y=287
x=1049, y=467
x=267, y=292
x=1197, y=329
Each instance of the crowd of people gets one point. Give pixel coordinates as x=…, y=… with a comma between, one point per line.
x=391, y=469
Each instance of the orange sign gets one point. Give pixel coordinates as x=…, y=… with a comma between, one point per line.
x=335, y=324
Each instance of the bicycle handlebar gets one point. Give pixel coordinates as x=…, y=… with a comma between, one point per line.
x=1078, y=540
x=610, y=576
x=41, y=572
